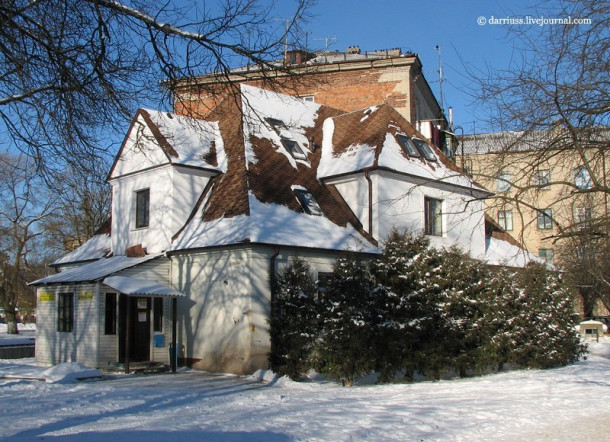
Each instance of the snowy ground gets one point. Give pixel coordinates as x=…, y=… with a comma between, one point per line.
x=569, y=403
x=27, y=335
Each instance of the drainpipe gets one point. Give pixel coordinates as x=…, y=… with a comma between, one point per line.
x=272, y=286
x=368, y=179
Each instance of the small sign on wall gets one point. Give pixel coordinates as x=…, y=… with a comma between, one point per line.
x=85, y=295
x=46, y=297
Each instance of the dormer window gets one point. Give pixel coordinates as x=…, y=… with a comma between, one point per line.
x=425, y=150
x=142, y=208
x=309, y=203
x=407, y=145
x=275, y=123
x=294, y=148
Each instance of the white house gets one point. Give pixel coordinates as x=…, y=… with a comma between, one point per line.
x=205, y=212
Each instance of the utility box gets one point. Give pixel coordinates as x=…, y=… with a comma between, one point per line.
x=159, y=341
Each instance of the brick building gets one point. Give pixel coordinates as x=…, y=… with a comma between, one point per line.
x=347, y=81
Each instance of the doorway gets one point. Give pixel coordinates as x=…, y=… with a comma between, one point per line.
x=139, y=328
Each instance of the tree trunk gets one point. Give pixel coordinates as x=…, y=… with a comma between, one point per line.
x=11, y=322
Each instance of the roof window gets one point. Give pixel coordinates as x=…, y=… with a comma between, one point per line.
x=294, y=148
x=309, y=203
x=407, y=145
x=425, y=150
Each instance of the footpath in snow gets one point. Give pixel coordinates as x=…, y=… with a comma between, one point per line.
x=568, y=403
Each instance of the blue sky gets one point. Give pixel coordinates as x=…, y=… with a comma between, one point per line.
x=419, y=27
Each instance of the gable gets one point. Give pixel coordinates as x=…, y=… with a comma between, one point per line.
x=141, y=150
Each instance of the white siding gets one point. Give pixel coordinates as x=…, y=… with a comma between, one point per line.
x=53, y=347
x=223, y=321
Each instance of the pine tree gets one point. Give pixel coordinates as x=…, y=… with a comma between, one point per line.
x=345, y=350
x=294, y=316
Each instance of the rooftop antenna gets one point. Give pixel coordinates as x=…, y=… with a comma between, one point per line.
x=326, y=40
x=440, y=77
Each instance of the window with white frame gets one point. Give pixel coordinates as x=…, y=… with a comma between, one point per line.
x=142, y=208
x=543, y=178
x=582, y=178
x=582, y=216
x=545, y=219
x=505, y=219
x=407, y=145
x=425, y=150
x=433, y=216
x=308, y=202
x=546, y=255
x=293, y=147
x=503, y=181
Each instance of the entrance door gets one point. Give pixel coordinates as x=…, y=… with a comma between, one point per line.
x=139, y=328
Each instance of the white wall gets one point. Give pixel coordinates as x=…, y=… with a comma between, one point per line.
x=53, y=347
x=174, y=192
x=398, y=201
x=223, y=321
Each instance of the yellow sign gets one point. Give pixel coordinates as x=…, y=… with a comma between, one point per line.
x=85, y=295
x=46, y=297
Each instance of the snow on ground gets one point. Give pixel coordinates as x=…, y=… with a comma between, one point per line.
x=27, y=335
x=568, y=403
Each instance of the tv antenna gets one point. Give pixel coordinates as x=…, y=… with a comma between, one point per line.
x=440, y=77
x=327, y=40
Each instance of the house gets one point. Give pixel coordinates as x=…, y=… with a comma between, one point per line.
x=205, y=212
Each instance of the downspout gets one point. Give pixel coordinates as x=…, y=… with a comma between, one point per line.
x=272, y=295
x=368, y=179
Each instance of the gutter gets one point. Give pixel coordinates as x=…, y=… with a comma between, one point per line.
x=368, y=179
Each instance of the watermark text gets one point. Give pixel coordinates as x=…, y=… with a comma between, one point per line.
x=530, y=20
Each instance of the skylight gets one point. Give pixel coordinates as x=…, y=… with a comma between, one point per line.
x=423, y=147
x=309, y=203
x=407, y=145
x=294, y=148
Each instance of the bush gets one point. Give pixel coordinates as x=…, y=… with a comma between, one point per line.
x=293, y=323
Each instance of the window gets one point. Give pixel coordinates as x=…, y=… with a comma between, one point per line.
x=309, y=203
x=158, y=314
x=468, y=166
x=503, y=181
x=433, y=217
x=142, y=208
x=110, y=318
x=65, y=312
x=546, y=255
x=425, y=150
x=582, y=178
x=294, y=148
x=543, y=177
x=323, y=280
x=545, y=219
x=582, y=216
x=309, y=98
x=505, y=219
x=407, y=145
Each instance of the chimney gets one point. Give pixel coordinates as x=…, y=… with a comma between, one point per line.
x=353, y=50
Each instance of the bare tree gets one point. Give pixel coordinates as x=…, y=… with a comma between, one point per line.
x=555, y=95
x=82, y=207
x=72, y=71
x=24, y=205
x=549, y=157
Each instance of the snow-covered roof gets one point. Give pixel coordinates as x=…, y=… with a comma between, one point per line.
x=272, y=224
x=194, y=141
x=93, y=271
x=140, y=287
x=98, y=246
x=502, y=253
x=368, y=139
